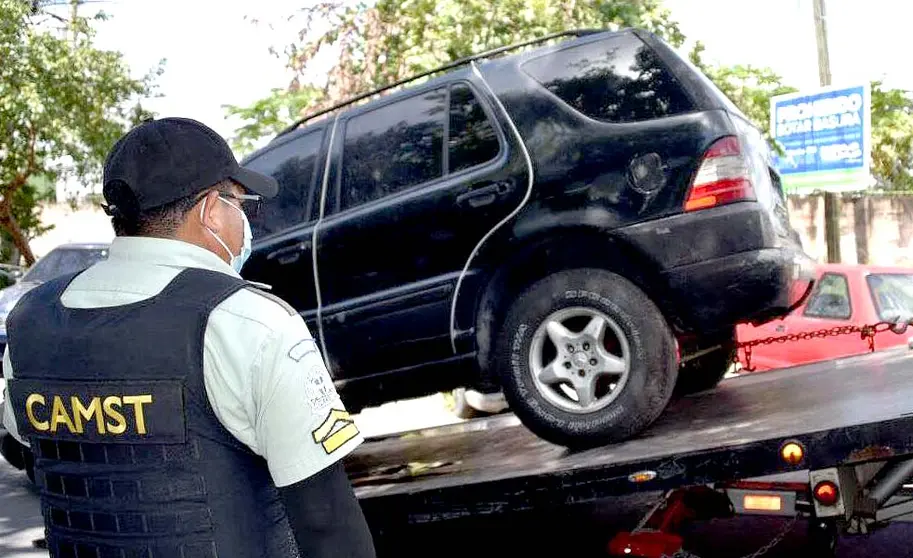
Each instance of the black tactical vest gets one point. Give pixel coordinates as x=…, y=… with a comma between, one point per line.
x=130, y=458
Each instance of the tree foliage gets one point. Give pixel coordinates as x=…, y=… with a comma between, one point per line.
x=379, y=43
x=388, y=40
x=270, y=115
x=892, y=138
x=748, y=87
x=63, y=103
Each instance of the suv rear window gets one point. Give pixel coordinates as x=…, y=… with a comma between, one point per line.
x=617, y=79
x=473, y=139
x=292, y=165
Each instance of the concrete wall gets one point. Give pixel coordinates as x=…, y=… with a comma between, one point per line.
x=86, y=223
x=886, y=221
x=875, y=229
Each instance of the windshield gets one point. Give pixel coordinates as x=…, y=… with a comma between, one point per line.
x=62, y=261
x=892, y=294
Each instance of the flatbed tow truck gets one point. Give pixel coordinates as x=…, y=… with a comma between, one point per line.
x=845, y=425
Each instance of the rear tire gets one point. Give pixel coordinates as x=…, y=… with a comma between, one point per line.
x=582, y=397
x=705, y=372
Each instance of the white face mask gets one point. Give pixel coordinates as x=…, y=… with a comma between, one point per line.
x=237, y=262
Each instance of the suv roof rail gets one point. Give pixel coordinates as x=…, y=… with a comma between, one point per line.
x=448, y=66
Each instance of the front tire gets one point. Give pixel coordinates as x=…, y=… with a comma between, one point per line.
x=461, y=408
x=586, y=358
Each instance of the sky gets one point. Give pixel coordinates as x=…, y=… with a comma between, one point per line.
x=215, y=54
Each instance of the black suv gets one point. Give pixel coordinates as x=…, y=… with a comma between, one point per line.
x=580, y=225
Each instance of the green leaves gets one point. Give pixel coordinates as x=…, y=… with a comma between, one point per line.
x=63, y=103
x=892, y=138
x=269, y=115
x=751, y=88
x=748, y=87
x=389, y=40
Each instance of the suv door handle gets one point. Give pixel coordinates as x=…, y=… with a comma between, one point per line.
x=486, y=194
x=290, y=254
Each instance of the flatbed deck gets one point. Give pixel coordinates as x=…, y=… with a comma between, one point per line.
x=843, y=411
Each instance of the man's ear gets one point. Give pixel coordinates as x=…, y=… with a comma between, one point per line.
x=209, y=212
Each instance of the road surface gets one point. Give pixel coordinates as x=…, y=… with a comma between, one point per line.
x=20, y=515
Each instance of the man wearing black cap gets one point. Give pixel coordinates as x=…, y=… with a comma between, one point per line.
x=173, y=409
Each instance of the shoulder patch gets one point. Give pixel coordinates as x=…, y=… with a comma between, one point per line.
x=285, y=305
x=302, y=349
x=337, y=429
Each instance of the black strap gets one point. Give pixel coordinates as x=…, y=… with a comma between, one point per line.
x=202, y=287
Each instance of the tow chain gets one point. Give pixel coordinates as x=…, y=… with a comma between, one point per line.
x=787, y=529
x=865, y=332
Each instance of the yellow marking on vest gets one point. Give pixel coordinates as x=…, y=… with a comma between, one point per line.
x=76, y=415
x=119, y=426
x=137, y=402
x=93, y=411
x=59, y=415
x=337, y=429
x=39, y=425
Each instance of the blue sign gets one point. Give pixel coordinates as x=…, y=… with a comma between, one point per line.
x=825, y=137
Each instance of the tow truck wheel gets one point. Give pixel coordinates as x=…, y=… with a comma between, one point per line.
x=823, y=535
x=586, y=358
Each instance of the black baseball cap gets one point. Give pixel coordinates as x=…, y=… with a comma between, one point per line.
x=164, y=160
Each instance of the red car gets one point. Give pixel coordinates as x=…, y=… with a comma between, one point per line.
x=844, y=295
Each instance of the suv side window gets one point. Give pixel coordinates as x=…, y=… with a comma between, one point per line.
x=831, y=298
x=401, y=145
x=473, y=139
x=292, y=165
x=618, y=79
x=393, y=147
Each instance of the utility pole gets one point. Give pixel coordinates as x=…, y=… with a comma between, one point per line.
x=831, y=199
x=74, y=13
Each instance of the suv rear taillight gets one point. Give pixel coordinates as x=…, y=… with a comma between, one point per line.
x=723, y=177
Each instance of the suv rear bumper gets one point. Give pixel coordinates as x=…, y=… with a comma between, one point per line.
x=754, y=286
x=724, y=266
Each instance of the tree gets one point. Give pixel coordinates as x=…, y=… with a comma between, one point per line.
x=892, y=138
x=63, y=103
x=388, y=40
x=270, y=115
x=748, y=87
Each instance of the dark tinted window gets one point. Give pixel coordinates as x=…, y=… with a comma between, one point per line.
x=618, y=79
x=292, y=165
x=831, y=298
x=393, y=147
x=472, y=140
x=61, y=261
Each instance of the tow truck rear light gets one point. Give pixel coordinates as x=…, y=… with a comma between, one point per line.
x=723, y=177
x=762, y=502
x=826, y=493
x=792, y=453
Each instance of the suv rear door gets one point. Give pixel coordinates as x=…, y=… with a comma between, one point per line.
x=406, y=208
